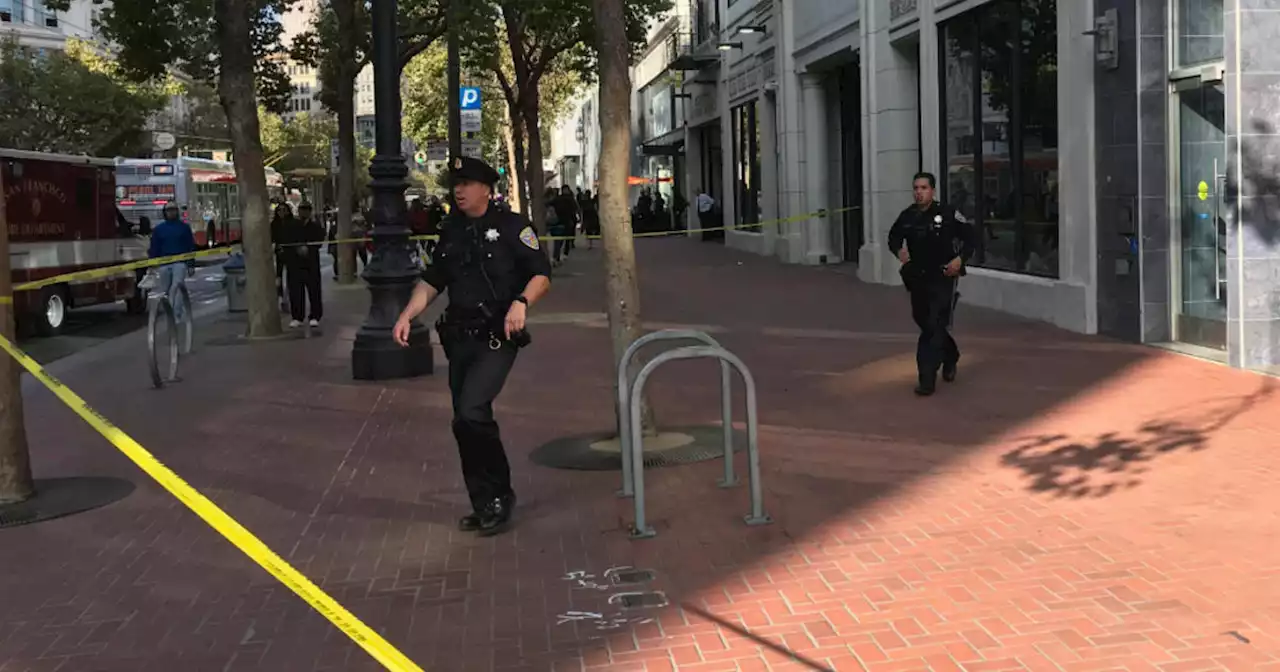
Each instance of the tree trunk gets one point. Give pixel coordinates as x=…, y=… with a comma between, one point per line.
x=520, y=169
x=537, y=178
x=514, y=197
x=15, y=460
x=348, y=70
x=621, y=283
x=239, y=99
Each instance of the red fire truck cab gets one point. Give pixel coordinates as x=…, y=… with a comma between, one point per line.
x=62, y=218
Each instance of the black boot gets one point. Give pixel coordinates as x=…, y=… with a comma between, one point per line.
x=926, y=386
x=469, y=523
x=949, y=371
x=497, y=516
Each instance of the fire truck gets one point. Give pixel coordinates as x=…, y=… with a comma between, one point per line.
x=62, y=218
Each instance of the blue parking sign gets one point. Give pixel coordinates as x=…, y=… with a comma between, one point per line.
x=470, y=98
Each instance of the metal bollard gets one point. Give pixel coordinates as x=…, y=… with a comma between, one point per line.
x=624, y=392
x=757, y=515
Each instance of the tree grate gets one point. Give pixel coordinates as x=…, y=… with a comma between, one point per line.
x=576, y=452
x=58, y=497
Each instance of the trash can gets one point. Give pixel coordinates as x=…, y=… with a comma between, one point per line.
x=233, y=280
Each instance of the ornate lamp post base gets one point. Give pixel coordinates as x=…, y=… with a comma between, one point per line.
x=391, y=273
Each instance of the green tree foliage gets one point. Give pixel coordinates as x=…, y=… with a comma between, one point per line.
x=72, y=101
x=543, y=37
x=302, y=142
x=156, y=35
x=235, y=43
x=421, y=23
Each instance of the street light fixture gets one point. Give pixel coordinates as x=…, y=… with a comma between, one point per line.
x=728, y=46
x=391, y=272
x=744, y=30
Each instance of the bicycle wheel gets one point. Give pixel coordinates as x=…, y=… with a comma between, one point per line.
x=162, y=341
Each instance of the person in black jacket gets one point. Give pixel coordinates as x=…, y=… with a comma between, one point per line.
x=933, y=241
x=300, y=241
x=490, y=262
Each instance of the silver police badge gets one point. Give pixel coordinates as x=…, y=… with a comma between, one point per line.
x=491, y=235
x=937, y=219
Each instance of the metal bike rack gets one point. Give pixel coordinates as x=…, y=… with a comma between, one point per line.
x=757, y=516
x=188, y=319
x=162, y=305
x=624, y=401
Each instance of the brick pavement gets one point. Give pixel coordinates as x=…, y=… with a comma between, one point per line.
x=1070, y=504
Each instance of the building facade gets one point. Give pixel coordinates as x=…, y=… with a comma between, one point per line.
x=1116, y=156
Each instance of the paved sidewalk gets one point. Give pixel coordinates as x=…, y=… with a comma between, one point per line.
x=1070, y=503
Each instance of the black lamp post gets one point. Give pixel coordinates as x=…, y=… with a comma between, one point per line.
x=391, y=273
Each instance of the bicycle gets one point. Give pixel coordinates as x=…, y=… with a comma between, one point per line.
x=158, y=305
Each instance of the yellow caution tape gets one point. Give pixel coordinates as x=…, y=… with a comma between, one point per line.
x=382, y=651
x=108, y=271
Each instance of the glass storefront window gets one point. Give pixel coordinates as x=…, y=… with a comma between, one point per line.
x=1000, y=137
x=1198, y=25
x=746, y=160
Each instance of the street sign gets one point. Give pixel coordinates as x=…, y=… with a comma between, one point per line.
x=471, y=121
x=333, y=154
x=437, y=149
x=469, y=98
x=471, y=147
x=164, y=141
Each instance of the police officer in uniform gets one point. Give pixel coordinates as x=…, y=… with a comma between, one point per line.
x=490, y=263
x=934, y=242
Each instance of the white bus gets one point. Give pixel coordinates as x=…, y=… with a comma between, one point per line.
x=200, y=187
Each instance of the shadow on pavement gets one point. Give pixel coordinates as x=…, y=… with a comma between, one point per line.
x=882, y=501
x=1071, y=467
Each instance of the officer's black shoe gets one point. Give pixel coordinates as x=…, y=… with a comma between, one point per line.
x=469, y=523
x=949, y=371
x=496, y=516
x=926, y=387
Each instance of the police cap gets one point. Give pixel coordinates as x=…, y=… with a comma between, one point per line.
x=475, y=170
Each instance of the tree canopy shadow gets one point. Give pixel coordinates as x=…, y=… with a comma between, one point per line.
x=1078, y=468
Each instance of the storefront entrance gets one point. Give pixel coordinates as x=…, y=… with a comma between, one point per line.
x=1200, y=301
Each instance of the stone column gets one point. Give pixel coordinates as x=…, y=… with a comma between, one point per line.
x=791, y=143
x=817, y=231
x=766, y=107
x=1253, y=192
x=890, y=146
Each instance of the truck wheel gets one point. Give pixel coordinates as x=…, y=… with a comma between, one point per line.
x=136, y=304
x=52, y=315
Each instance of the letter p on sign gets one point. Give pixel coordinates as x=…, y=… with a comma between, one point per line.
x=470, y=98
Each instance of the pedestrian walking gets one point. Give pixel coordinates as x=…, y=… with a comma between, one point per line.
x=933, y=241
x=490, y=263
x=281, y=220
x=590, y=218
x=301, y=241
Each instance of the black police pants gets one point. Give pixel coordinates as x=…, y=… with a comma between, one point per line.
x=300, y=280
x=476, y=376
x=931, y=305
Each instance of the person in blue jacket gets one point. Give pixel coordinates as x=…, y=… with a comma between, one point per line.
x=170, y=237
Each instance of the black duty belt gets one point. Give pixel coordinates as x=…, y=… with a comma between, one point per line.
x=466, y=325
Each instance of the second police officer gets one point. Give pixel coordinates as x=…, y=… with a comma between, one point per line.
x=490, y=262
x=934, y=242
